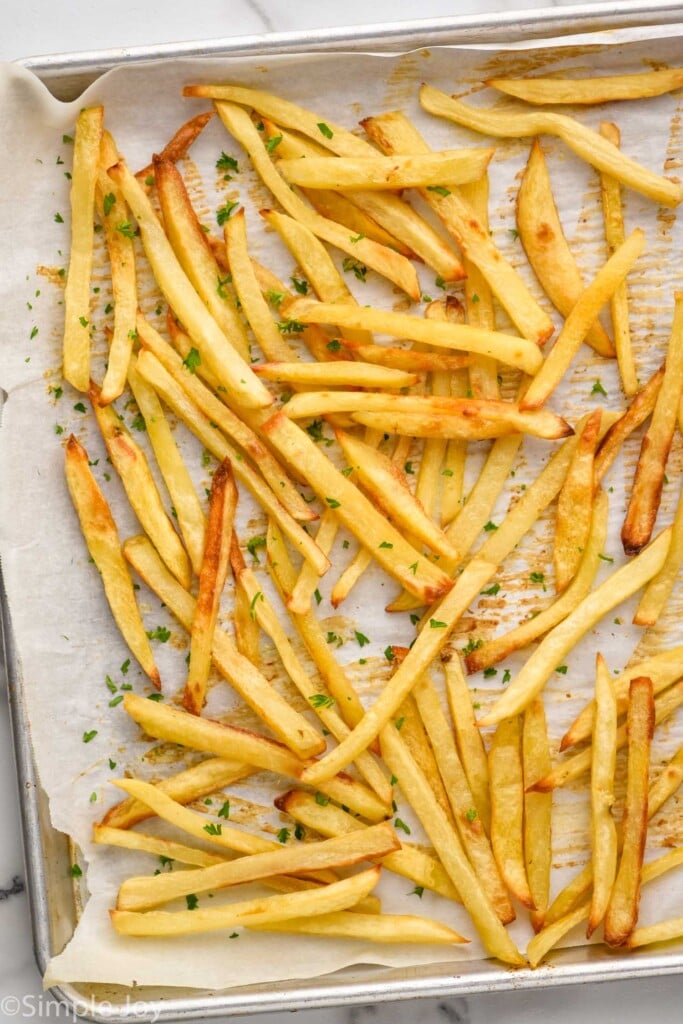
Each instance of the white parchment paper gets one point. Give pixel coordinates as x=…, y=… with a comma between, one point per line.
x=65, y=637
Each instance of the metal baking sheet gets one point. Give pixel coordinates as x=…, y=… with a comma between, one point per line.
x=52, y=898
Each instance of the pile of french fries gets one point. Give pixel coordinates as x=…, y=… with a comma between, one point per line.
x=286, y=388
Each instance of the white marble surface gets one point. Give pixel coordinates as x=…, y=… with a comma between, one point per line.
x=37, y=27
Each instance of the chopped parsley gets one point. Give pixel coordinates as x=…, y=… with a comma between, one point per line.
x=490, y=672
x=300, y=286
x=108, y=202
x=225, y=810
x=598, y=389
x=290, y=326
x=538, y=577
x=192, y=901
x=213, y=830
x=358, y=269
x=472, y=645
x=59, y=219
x=408, y=468
x=492, y=590
x=332, y=502
x=321, y=700
x=273, y=143
x=490, y=527
x=227, y=163
x=223, y=212
x=386, y=544
x=325, y=130
x=471, y=814
x=399, y=823
x=253, y=544
x=439, y=189
x=321, y=799
x=361, y=638
x=125, y=228
x=75, y=871
x=283, y=835
x=562, y=669
x=258, y=596
x=160, y=633
x=389, y=653
x=334, y=345
x=88, y=736
x=192, y=360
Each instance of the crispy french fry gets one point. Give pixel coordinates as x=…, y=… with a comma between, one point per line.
x=416, y=739
x=212, y=576
x=174, y=471
x=603, y=826
x=195, y=255
x=500, y=647
x=654, y=452
x=575, y=506
x=622, y=910
x=325, y=900
x=370, y=927
x=456, y=166
x=590, y=146
x=659, y=589
x=594, y=89
x=547, y=249
x=144, y=892
x=507, y=808
x=176, y=148
x=130, y=462
x=247, y=629
x=638, y=411
x=299, y=600
x=469, y=739
x=616, y=588
x=582, y=316
x=543, y=942
x=479, y=297
x=394, y=133
x=537, y=810
x=519, y=352
x=447, y=844
x=232, y=371
x=102, y=538
x=267, y=703
x=468, y=420
x=129, y=840
x=615, y=235
x=77, y=292
x=406, y=359
x=340, y=373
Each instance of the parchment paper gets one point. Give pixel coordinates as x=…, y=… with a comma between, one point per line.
x=64, y=633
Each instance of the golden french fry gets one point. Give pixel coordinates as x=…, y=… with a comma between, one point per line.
x=518, y=352
x=455, y=166
x=469, y=739
x=447, y=845
x=478, y=295
x=212, y=575
x=615, y=235
x=654, y=452
x=603, y=826
x=406, y=359
x=342, y=209
x=622, y=910
x=595, y=89
x=507, y=808
x=416, y=739
x=144, y=892
x=638, y=411
x=472, y=835
x=340, y=373
x=247, y=629
x=543, y=942
x=173, y=470
x=287, y=724
x=270, y=909
x=616, y=588
x=194, y=253
x=659, y=589
x=370, y=927
x=129, y=840
x=590, y=146
x=547, y=249
x=466, y=421
x=77, y=292
x=176, y=148
x=232, y=371
x=394, y=133
x=410, y=861
x=537, y=811
x=575, y=506
x=130, y=462
x=102, y=538
x=500, y=647
x=582, y=316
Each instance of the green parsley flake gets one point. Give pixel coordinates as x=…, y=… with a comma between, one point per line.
x=160, y=633
x=361, y=638
x=88, y=736
x=439, y=189
x=321, y=700
x=398, y=823
x=223, y=212
x=273, y=143
x=192, y=360
x=325, y=130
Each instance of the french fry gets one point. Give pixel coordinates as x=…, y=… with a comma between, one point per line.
x=130, y=462
x=654, y=452
x=410, y=861
x=469, y=739
x=194, y=253
x=144, y=892
x=456, y=166
x=518, y=352
x=659, y=589
x=216, y=738
x=615, y=235
x=603, y=826
x=176, y=148
x=173, y=470
x=395, y=134
x=299, y=600
x=447, y=845
x=102, y=539
x=354, y=510
x=468, y=420
x=212, y=575
x=638, y=411
x=247, y=629
x=494, y=651
x=77, y=292
x=270, y=909
x=370, y=927
x=406, y=359
x=591, y=90
x=507, y=808
x=587, y=144
x=338, y=374
x=129, y=840
x=582, y=316
x=543, y=942
x=172, y=394
x=575, y=506
x=529, y=682
x=478, y=295
x=264, y=700
x=622, y=910
x=472, y=835
x=537, y=811
x=547, y=249
x=417, y=740
x=232, y=371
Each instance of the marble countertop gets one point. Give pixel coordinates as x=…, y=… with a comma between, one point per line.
x=40, y=27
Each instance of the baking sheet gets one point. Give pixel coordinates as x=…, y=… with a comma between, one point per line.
x=64, y=660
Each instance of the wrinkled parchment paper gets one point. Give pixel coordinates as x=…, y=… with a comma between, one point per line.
x=65, y=636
